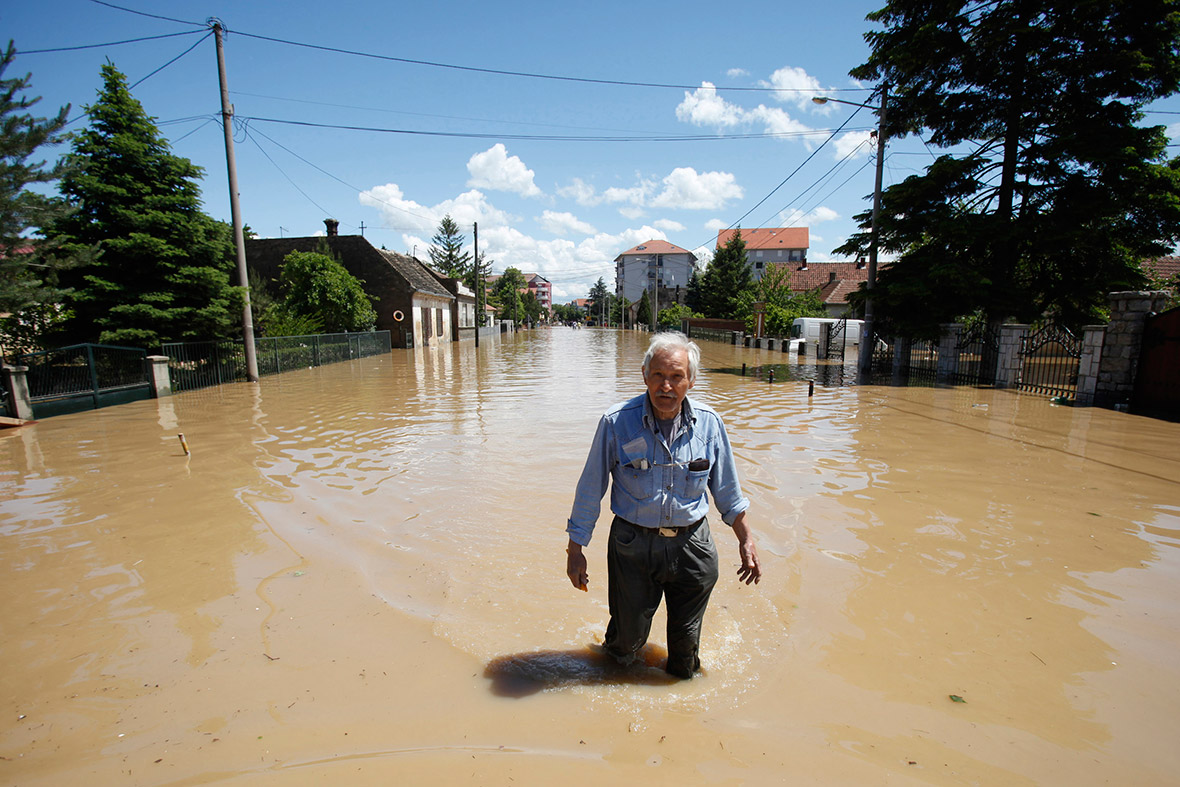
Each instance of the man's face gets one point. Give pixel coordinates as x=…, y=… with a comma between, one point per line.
x=667, y=382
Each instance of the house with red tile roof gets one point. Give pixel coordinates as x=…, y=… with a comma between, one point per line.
x=654, y=266
x=1165, y=269
x=833, y=281
x=768, y=245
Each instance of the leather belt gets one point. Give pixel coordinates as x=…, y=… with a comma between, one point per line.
x=666, y=532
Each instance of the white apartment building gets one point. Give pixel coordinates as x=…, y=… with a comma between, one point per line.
x=654, y=266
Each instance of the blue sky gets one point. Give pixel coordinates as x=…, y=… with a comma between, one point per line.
x=488, y=147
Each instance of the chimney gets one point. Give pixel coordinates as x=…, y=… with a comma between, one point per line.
x=332, y=225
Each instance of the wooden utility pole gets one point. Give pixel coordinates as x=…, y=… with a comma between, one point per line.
x=478, y=283
x=227, y=114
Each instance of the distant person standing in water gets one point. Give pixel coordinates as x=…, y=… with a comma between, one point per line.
x=662, y=451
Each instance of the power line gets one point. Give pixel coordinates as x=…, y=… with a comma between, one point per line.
x=110, y=43
x=170, y=62
x=330, y=175
x=793, y=173
x=144, y=13
x=527, y=74
x=546, y=137
x=426, y=114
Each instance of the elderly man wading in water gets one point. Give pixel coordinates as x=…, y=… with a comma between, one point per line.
x=662, y=451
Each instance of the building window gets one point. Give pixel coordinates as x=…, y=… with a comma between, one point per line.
x=758, y=254
x=439, y=319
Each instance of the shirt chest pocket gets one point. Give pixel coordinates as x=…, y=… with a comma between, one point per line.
x=695, y=483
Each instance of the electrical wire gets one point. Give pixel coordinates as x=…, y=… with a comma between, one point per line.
x=110, y=43
x=783, y=182
x=429, y=115
x=170, y=62
x=527, y=74
x=545, y=137
x=144, y=13
x=334, y=177
x=285, y=175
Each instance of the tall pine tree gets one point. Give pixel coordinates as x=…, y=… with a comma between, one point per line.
x=446, y=250
x=163, y=267
x=725, y=279
x=29, y=264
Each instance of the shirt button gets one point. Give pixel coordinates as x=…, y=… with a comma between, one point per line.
x=669, y=487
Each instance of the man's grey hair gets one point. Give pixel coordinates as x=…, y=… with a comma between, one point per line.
x=672, y=341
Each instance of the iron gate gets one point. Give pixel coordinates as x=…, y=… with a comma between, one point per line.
x=1049, y=361
x=837, y=334
x=978, y=354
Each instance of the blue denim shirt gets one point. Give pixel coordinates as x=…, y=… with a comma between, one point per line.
x=653, y=483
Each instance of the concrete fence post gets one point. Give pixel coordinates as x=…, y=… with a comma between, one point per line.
x=159, y=376
x=1008, y=365
x=948, y=352
x=902, y=346
x=16, y=382
x=1093, y=338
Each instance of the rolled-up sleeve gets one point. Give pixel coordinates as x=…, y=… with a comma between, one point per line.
x=592, y=485
x=723, y=481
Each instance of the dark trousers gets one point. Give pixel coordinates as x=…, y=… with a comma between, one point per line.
x=641, y=567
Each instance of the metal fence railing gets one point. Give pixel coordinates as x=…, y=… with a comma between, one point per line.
x=84, y=377
x=193, y=365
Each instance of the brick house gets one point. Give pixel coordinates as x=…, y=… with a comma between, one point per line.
x=411, y=303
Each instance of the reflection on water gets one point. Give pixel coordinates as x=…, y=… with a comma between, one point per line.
x=359, y=565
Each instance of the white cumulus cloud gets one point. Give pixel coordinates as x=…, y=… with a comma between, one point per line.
x=687, y=189
x=794, y=86
x=580, y=192
x=703, y=107
x=495, y=169
x=667, y=225
x=563, y=224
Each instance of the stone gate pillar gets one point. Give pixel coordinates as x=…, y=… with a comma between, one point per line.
x=1124, y=339
x=1008, y=367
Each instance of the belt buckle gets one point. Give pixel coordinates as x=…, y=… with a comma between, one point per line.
x=669, y=532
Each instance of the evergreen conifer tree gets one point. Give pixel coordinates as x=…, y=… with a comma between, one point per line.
x=726, y=278
x=29, y=263
x=446, y=252
x=162, y=272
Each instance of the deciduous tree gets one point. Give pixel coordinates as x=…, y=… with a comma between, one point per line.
x=1052, y=191
x=318, y=286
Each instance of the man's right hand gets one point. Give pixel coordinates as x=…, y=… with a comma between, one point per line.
x=575, y=566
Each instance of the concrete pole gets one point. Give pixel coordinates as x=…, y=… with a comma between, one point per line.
x=867, y=342
x=227, y=113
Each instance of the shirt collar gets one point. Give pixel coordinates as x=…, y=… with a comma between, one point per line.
x=687, y=416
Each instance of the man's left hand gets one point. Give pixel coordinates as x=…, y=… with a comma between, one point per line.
x=751, y=570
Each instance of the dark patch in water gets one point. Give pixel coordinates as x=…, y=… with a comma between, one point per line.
x=524, y=674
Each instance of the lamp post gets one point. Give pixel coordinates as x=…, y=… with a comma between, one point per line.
x=867, y=339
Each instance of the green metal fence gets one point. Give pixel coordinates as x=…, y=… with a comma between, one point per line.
x=85, y=377
x=193, y=365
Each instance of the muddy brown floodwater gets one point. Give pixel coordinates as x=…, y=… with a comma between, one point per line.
x=358, y=576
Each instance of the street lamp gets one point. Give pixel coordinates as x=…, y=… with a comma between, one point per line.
x=865, y=355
